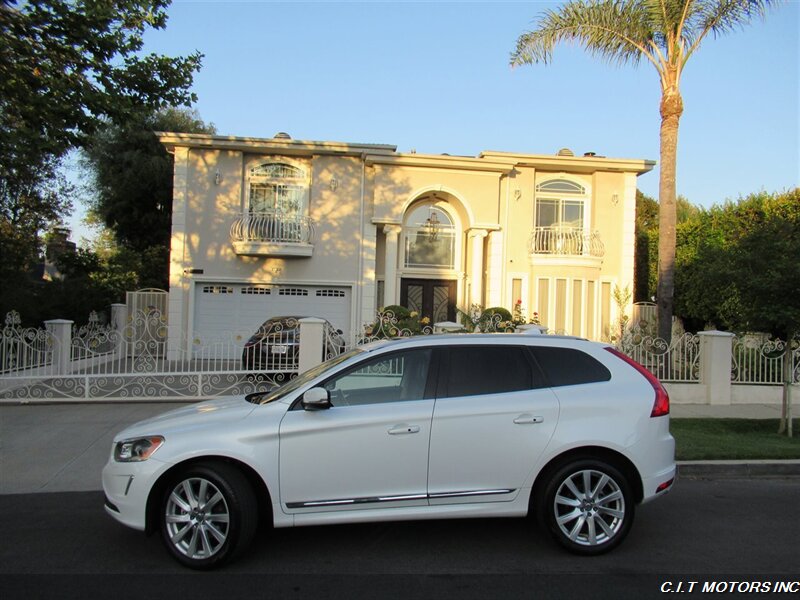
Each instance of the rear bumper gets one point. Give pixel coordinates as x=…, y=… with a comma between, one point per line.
x=655, y=459
x=659, y=484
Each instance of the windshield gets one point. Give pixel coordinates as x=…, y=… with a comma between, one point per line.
x=301, y=380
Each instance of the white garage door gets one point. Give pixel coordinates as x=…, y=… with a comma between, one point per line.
x=235, y=311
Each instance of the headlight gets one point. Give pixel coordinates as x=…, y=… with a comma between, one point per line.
x=137, y=449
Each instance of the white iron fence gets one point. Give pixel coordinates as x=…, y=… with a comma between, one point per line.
x=24, y=348
x=111, y=363
x=678, y=361
x=130, y=358
x=757, y=359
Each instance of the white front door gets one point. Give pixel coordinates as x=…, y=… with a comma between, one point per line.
x=370, y=449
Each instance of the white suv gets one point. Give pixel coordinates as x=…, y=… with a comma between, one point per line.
x=429, y=427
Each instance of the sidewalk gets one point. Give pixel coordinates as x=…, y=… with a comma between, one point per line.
x=63, y=447
x=736, y=411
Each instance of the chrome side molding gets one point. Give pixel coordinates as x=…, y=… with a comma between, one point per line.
x=403, y=498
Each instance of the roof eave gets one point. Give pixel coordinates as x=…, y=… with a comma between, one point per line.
x=282, y=145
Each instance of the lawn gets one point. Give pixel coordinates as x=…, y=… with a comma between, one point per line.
x=733, y=439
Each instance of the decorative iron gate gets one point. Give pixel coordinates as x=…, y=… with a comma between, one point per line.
x=108, y=363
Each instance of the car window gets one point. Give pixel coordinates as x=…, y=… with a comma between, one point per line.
x=301, y=380
x=567, y=366
x=478, y=370
x=393, y=377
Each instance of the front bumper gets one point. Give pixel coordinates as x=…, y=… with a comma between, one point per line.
x=127, y=487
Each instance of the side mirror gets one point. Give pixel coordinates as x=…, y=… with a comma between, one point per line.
x=316, y=399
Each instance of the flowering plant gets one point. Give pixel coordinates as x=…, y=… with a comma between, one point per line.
x=396, y=321
x=519, y=315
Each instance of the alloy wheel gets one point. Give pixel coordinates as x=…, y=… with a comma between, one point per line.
x=197, y=518
x=589, y=507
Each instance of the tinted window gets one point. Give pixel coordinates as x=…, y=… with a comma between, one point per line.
x=565, y=366
x=477, y=370
x=395, y=377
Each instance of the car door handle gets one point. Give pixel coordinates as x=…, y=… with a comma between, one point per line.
x=403, y=429
x=528, y=419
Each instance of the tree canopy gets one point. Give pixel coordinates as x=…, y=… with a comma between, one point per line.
x=738, y=265
x=645, y=270
x=65, y=65
x=66, y=68
x=131, y=175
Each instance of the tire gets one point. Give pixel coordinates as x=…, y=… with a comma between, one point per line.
x=208, y=515
x=587, y=506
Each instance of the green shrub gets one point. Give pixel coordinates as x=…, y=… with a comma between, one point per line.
x=487, y=314
x=400, y=312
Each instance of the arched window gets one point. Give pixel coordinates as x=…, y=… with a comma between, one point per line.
x=278, y=188
x=560, y=204
x=430, y=238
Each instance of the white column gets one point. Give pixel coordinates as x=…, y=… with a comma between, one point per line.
x=390, y=292
x=312, y=338
x=716, y=350
x=476, y=237
x=178, y=300
x=368, y=287
x=61, y=330
x=494, y=271
x=119, y=321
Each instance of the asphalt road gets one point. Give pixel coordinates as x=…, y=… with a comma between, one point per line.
x=62, y=545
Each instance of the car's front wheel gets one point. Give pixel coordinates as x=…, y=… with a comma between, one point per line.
x=587, y=506
x=208, y=515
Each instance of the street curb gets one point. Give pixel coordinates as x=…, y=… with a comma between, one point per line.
x=737, y=468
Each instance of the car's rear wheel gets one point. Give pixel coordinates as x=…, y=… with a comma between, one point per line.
x=208, y=515
x=587, y=506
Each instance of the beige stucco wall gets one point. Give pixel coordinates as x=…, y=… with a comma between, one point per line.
x=494, y=202
x=211, y=209
x=473, y=195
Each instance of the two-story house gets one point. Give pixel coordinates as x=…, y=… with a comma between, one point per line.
x=267, y=227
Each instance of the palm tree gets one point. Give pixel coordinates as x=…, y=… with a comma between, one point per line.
x=666, y=33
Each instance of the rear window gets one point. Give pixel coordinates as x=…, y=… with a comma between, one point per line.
x=567, y=366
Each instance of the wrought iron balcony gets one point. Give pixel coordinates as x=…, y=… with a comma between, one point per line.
x=272, y=234
x=566, y=241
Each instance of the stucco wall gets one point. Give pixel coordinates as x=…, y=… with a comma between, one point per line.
x=353, y=194
x=211, y=209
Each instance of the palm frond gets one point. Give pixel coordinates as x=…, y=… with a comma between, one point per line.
x=618, y=31
x=723, y=16
x=719, y=17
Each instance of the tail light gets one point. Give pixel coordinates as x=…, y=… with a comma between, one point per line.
x=661, y=404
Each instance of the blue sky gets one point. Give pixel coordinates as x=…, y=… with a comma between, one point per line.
x=434, y=76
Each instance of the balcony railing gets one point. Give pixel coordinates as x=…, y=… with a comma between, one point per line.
x=272, y=234
x=566, y=241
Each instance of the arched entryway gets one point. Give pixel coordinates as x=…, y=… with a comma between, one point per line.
x=430, y=257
